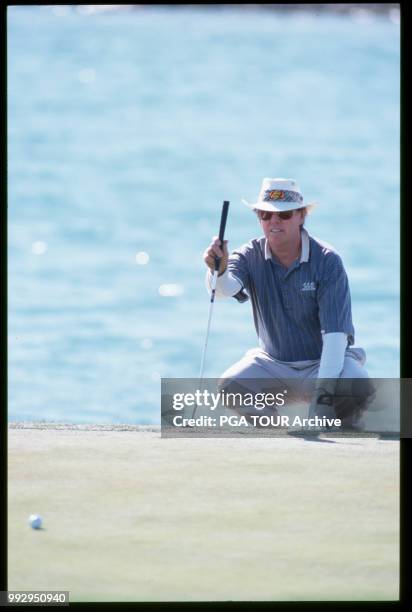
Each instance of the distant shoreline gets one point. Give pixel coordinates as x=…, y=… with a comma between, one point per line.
x=335, y=8
x=342, y=9
x=49, y=425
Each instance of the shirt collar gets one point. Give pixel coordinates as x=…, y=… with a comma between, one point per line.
x=304, y=256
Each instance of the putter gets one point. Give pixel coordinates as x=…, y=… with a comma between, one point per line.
x=223, y=218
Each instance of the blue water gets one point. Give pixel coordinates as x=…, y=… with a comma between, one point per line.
x=127, y=130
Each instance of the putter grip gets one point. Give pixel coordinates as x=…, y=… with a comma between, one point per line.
x=223, y=219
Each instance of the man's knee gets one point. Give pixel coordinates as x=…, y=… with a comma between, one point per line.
x=352, y=397
x=353, y=365
x=240, y=395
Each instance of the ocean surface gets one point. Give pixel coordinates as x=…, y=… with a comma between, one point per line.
x=126, y=131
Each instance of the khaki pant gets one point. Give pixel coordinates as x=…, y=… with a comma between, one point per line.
x=259, y=372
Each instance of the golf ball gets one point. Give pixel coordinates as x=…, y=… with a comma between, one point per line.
x=35, y=521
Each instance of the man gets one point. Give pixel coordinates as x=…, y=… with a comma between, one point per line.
x=301, y=304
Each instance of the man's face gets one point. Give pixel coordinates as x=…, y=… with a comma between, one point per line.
x=282, y=232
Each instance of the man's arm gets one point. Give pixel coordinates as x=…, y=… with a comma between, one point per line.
x=330, y=368
x=333, y=355
x=227, y=285
x=334, y=314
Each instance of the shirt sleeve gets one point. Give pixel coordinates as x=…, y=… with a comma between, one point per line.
x=333, y=355
x=226, y=285
x=334, y=301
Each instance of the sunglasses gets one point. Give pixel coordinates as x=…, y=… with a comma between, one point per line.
x=265, y=215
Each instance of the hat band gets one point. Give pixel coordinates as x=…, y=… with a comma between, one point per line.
x=284, y=196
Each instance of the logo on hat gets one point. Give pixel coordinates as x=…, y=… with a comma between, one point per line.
x=275, y=194
x=287, y=196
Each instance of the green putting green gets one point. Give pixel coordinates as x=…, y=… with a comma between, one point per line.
x=129, y=516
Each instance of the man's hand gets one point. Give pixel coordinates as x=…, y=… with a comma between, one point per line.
x=344, y=398
x=322, y=404
x=215, y=250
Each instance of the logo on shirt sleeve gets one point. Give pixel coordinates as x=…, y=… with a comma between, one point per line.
x=309, y=286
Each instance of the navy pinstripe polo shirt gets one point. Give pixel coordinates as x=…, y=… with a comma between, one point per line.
x=292, y=307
